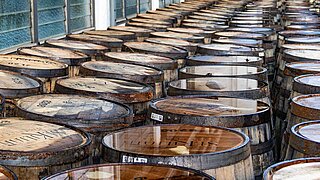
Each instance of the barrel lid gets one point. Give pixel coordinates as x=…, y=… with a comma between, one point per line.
x=301, y=46
x=299, y=68
x=131, y=29
x=246, y=22
x=264, y=30
x=5, y=173
x=306, y=106
x=182, y=12
x=207, y=18
x=211, y=15
x=309, y=130
x=69, y=109
x=97, y=39
x=123, y=91
x=295, y=33
x=222, y=70
x=33, y=66
x=229, y=49
x=214, y=11
x=134, y=72
x=172, y=14
x=178, y=35
x=142, y=59
x=150, y=21
x=307, y=26
x=301, y=55
x=238, y=41
x=112, y=33
x=236, y=60
x=63, y=55
x=15, y=85
x=85, y=47
x=295, y=169
x=156, y=49
x=250, y=18
x=148, y=25
x=212, y=27
x=171, y=42
x=130, y=171
x=157, y=16
x=196, y=31
x=155, y=140
x=307, y=84
x=305, y=39
x=240, y=34
x=192, y=21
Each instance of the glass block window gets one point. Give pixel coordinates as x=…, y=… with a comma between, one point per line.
x=14, y=23
x=80, y=14
x=119, y=9
x=144, y=5
x=161, y=3
x=168, y=2
x=51, y=18
x=131, y=7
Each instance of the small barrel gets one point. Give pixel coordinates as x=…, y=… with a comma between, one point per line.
x=72, y=58
x=221, y=86
x=304, y=168
x=153, y=27
x=213, y=150
x=131, y=171
x=258, y=73
x=200, y=60
x=169, y=66
x=136, y=95
x=178, y=35
x=251, y=117
x=123, y=35
x=91, y=49
x=34, y=149
x=218, y=49
x=140, y=33
x=13, y=86
x=191, y=47
x=151, y=21
x=47, y=70
x=114, y=44
x=196, y=32
x=95, y=116
x=7, y=174
x=306, y=84
x=138, y=73
x=304, y=140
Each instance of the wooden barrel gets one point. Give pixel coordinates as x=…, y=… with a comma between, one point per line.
x=265, y=20
x=221, y=86
x=177, y=11
x=251, y=117
x=46, y=70
x=222, y=153
x=169, y=19
x=191, y=47
x=258, y=73
x=228, y=14
x=303, y=27
x=304, y=168
x=151, y=21
x=284, y=35
x=211, y=15
x=123, y=35
x=6, y=173
x=72, y=58
x=239, y=41
x=169, y=66
x=91, y=49
x=13, y=86
x=95, y=116
x=242, y=23
x=304, y=140
x=153, y=27
x=303, y=40
x=131, y=171
x=196, y=32
x=34, y=149
x=177, y=35
x=138, y=73
x=173, y=14
x=306, y=84
x=270, y=33
x=140, y=33
x=209, y=22
x=136, y=95
x=210, y=27
x=114, y=44
x=218, y=49
x=199, y=60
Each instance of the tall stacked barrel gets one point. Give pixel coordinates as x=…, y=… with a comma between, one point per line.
x=202, y=89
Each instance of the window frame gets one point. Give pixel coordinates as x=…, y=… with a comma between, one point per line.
x=125, y=16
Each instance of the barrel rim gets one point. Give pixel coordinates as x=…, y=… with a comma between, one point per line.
x=8, y=172
x=305, y=88
x=303, y=111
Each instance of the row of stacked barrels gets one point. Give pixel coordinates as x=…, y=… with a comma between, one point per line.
x=199, y=90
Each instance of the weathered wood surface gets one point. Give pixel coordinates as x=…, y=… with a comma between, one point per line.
x=269, y=32
x=306, y=84
x=214, y=150
x=230, y=49
x=131, y=171
x=178, y=35
x=284, y=35
x=140, y=33
x=124, y=35
x=198, y=60
x=169, y=19
x=153, y=27
x=34, y=149
x=151, y=21
x=240, y=34
x=217, y=21
x=205, y=26
x=191, y=47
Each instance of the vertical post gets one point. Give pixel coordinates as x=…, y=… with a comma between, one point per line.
x=102, y=14
x=34, y=21
x=155, y=4
x=68, y=16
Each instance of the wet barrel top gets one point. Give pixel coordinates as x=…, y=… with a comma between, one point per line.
x=229, y=60
x=306, y=106
x=295, y=33
x=211, y=15
x=96, y=39
x=114, y=34
x=309, y=131
x=122, y=70
x=33, y=66
x=240, y=34
x=229, y=49
x=307, y=84
x=178, y=35
x=301, y=46
x=106, y=88
x=221, y=70
x=301, y=55
x=39, y=142
x=171, y=42
x=63, y=55
x=238, y=41
x=262, y=30
x=306, y=168
x=129, y=172
x=85, y=47
x=300, y=68
x=185, y=140
x=304, y=40
x=209, y=27
x=194, y=21
x=69, y=109
x=195, y=31
x=15, y=85
x=142, y=59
